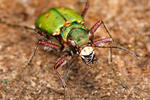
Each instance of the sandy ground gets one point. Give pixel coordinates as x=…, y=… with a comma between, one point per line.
x=124, y=79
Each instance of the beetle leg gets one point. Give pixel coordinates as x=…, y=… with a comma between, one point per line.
x=85, y=9
x=32, y=55
x=16, y=25
x=102, y=41
x=57, y=65
x=26, y=64
x=94, y=28
x=72, y=60
x=91, y=35
x=67, y=72
x=50, y=44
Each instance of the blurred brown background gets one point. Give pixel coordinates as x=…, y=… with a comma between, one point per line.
x=125, y=79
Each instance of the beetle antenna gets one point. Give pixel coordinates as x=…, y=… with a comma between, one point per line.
x=16, y=26
x=127, y=51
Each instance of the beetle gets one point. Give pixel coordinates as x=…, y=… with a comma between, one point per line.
x=75, y=38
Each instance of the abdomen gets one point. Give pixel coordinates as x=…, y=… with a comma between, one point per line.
x=53, y=20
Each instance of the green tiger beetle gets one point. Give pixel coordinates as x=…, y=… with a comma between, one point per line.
x=68, y=27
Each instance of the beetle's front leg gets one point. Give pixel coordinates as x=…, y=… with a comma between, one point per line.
x=91, y=35
x=57, y=65
x=95, y=27
x=102, y=42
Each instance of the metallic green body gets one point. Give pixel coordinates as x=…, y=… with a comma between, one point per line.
x=65, y=22
x=76, y=32
x=80, y=36
x=54, y=19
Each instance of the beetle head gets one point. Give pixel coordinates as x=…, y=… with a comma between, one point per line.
x=87, y=54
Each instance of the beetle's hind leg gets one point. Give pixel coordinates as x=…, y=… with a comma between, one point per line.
x=25, y=66
x=16, y=25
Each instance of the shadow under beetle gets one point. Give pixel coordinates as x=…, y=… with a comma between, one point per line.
x=68, y=27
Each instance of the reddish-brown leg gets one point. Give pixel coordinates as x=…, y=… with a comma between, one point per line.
x=91, y=35
x=50, y=44
x=85, y=9
x=102, y=41
x=57, y=65
x=59, y=62
x=94, y=28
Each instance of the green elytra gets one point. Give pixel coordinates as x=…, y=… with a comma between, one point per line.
x=65, y=22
